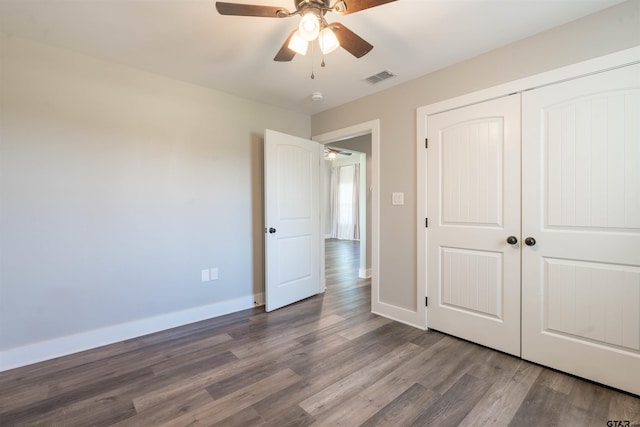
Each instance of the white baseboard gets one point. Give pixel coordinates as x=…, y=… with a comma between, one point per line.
x=364, y=273
x=258, y=299
x=402, y=315
x=45, y=350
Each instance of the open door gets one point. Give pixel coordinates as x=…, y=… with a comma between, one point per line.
x=292, y=218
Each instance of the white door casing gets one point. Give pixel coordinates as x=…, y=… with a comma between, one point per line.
x=292, y=218
x=473, y=200
x=581, y=203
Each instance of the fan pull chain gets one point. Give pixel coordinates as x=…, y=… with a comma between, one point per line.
x=313, y=52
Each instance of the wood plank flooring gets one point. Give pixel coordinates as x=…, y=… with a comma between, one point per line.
x=323, y=361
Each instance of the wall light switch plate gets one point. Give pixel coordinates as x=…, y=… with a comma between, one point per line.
x=214, y=274
x=205, y=275
x=397, y=198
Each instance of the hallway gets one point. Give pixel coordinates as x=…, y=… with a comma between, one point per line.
x=342, y=258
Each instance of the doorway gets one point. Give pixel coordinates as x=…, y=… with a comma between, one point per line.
x=370, y=129
x=347, y=196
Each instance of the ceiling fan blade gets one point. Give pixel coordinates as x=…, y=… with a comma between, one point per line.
x=350, y=41
x=224, y=8
x=332, y=153
x=285, y=54
x=358, y=5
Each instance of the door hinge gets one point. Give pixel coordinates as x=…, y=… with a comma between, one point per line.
x=426, y=222
x=426, y=301
x=426, y=143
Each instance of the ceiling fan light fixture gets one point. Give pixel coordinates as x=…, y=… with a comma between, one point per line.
x=328, y=40
x=331, y=155
x=309, y=27
x=298, y=44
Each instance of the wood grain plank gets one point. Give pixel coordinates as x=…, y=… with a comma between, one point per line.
x=319, y=373
x=326, y=399
x=38, y=409
x=542, y=406
x=287, y=416
x=405, y=375
x=187, y=385
x=404, y=409
x=452, y=407
x=235, y=402
x=624, y=406
x=445, y=369
x=557, y=381
x=246, y=417
x=22, y=395
x=352, y=412
x=588, y=405
x=285, y=336
x=504, y=398
x=103, y=410
x=363, y=328
x=193, y=363
x=170, y=409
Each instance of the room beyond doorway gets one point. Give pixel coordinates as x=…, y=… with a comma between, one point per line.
x=349, y=216
x=342, y=258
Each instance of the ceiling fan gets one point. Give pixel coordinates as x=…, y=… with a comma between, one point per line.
x=333, y=153
x=312, y=24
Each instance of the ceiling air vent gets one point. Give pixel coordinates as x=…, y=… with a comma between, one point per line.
x=377, y=78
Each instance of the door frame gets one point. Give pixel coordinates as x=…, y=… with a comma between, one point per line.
x=580, y=69
x=373, y=128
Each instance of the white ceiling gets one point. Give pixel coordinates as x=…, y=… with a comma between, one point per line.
x=188, y=40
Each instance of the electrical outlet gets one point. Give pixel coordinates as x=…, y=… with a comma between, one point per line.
x=214, y=274
x=205, y=277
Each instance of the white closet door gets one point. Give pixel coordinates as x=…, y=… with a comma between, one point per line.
x=581, y=203
x=473, y=205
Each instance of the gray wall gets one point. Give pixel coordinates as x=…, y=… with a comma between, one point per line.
x=609, y=31
x=117, y=187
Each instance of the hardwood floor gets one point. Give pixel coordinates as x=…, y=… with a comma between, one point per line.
x=323, y=361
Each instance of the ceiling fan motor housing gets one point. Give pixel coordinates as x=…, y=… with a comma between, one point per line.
x=319, y=3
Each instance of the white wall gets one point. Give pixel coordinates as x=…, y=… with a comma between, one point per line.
x=117, y=187
x=605, y=32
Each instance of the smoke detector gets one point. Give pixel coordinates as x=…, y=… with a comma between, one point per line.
x=316, y=96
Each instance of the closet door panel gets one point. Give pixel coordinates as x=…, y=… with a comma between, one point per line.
x=473, y=205
x=581, y=203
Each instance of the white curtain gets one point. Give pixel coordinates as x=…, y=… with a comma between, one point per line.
x=345, y=202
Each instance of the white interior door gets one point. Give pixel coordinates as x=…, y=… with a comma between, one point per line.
x=581, y=203
x=473, y=206
x=292, y=218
